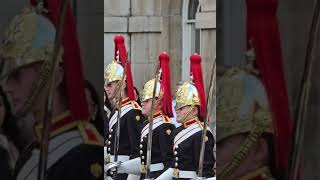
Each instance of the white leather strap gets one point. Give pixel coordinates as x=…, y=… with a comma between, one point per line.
x=156, y=123
x=121, y=158
x=211, y=178
x=186, y=133
x=156, y=167
x=58, y=147
x=124, y=110
x=187, y=174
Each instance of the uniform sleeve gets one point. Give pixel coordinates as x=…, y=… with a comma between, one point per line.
x=4, y=166
x=134, y=123
x=209, y=160
x=166, y=144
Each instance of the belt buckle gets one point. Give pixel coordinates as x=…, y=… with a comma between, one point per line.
x=143, y=169
x=176, y=173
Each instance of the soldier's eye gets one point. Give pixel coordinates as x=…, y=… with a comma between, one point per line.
x=14, y=76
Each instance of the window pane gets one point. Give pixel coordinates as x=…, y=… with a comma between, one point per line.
x=197, y=41
x=192, y=9
x=194, y=39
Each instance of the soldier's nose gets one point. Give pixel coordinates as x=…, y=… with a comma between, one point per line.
x=8, y=87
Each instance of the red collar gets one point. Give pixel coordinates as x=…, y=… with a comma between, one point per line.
x=125, y=101
x=191, y=122
x=157, y=114
x=60, y=124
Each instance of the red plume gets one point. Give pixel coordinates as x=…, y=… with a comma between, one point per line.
x=166, y=84
x=263, y=29
x=71, y=60
x=120, y=46
x=196, y=73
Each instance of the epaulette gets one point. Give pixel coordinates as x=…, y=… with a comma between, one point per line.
x=166, y=119
x=135, y=105
x=90, y=134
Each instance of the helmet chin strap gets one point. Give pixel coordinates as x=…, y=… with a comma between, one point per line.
x=185, y=116
x=157, y=103
x=39, y=84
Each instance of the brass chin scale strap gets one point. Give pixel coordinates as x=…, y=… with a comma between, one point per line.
x=184, y=117
x=238, y=157
x=39, y=85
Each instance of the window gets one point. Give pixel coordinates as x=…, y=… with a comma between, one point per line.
x=191, y=36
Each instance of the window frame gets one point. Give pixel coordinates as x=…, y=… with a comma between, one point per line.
x=187, y=44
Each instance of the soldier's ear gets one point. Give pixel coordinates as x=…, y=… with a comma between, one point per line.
x=195, y=111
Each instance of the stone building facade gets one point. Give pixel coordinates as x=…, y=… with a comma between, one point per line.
x=178, y=27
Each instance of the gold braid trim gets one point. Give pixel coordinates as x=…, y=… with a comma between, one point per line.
x=184, y=117
x=250, y=141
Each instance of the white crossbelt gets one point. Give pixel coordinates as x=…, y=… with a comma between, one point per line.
x=58, y=147
x=124, y=110
x=121, y=158
x=156, y=167
x=187, y=174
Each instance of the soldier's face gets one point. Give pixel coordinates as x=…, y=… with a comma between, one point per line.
x=111, y=89
x=18, y=85
x=146, y=106
x=183, y=111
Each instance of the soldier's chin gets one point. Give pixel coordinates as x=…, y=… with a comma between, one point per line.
x=145, y=111
x=17, y=110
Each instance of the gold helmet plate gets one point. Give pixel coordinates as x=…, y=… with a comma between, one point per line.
x=27, y=39
x=187, y=95
x=147, y=92
x=113, y=72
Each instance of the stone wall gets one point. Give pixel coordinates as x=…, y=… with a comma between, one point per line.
x=147, y=26
x=152, y=27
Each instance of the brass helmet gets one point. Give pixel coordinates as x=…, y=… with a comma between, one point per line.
x=163, y=85
x=147, y=92
x=242, y=107
x=187, y=95
x=113, y=72
x=191, y=93
x=29, y=38
x=234, y=112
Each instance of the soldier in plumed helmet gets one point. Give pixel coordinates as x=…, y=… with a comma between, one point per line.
x=118, y=83
x=27, y=51
x=162, y=128
x=191, y=110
